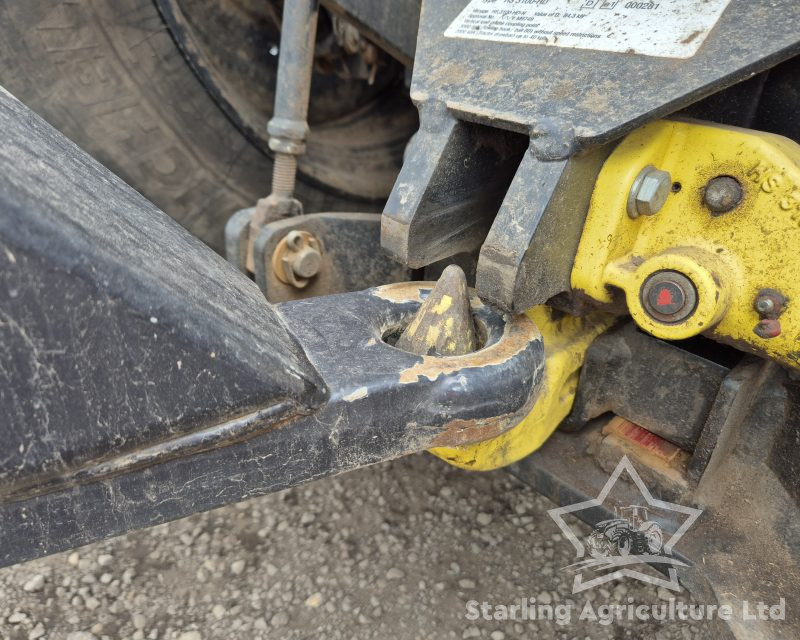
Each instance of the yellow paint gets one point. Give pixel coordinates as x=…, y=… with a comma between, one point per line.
x=443, y=305
x=414, y=325
x=566, y=339
x=432, y=336
x=516, y=338
x=730, y=257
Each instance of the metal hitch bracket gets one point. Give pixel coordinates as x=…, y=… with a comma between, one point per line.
x=567, y=106
x=144, y=378
x=718, y=258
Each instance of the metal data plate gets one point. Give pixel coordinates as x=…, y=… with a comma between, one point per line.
x=488, y=70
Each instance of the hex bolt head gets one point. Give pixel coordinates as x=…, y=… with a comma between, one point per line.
x=722, y=194
x=297, y=258
x=306, y=263
x=668, y=297
x=768, y=328
x=649, y=192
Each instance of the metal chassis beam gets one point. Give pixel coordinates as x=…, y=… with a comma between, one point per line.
x=143, y=378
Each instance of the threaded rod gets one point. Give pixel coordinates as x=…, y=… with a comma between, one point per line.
x=284, y=174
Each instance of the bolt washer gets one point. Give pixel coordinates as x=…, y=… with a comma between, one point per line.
x=289, y=249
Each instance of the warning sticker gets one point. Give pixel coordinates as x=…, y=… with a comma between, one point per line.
x=670, y=28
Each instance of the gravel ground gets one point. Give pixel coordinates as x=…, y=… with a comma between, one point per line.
x=392, y=551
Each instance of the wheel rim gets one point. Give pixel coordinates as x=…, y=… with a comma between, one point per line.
x=358, y=133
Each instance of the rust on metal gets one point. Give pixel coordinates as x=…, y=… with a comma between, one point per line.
x=658, y=455
x=515, y=339
x=654, y=444
x=459, y=433
x=770, y=303
x=768, y=328
x=297, y=258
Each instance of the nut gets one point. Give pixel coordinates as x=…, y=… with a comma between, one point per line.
x=297, y=258
x=668, y=297
x=649, y=192
x=722, y=194
x=770, y=303
x=768, y=328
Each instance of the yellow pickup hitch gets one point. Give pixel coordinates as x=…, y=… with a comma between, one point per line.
x=566, y=339
x=695, y=227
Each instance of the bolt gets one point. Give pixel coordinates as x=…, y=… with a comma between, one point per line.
x=649, y=192
x=284, y=175
x=770, y=303
x=297, y=258
x=668, y=297
x=768, y=328
x=722, y=194
x=306, y=263
x=765, y=306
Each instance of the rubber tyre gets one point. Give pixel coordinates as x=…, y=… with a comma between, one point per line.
x=108, y=74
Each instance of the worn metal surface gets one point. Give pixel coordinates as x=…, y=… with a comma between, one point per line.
x=145, y=378
x=391, y=395
x=443, y=326
x=567, y=98
x=566, y=340
x=727, y=258
x=744, y=545
x=454, y=178
x=117, y=324
x=667, y=389
x=528, y=254
x=350, y=259
x=564, y=100
x=381, y=403
x=392, y=25
x=119, y=330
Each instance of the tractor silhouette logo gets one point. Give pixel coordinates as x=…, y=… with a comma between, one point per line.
x=630, y=532
x=636, y=536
